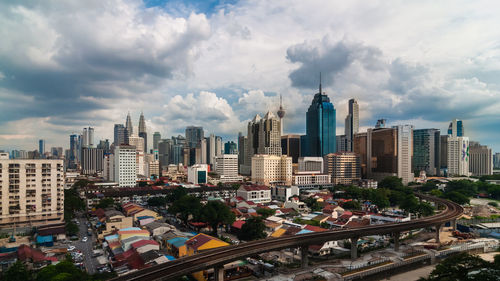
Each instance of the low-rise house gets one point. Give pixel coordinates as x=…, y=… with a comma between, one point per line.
x=295, y=204
x=177, y=246
x=255, y=193
x=158, y=228
x=114, y=221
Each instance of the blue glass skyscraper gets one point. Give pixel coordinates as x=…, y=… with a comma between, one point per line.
x=320, y=126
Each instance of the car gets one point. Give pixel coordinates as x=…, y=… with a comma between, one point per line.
x=85, y=239
x=71, y=248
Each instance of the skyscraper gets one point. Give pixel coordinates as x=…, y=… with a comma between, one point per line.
x=129, y=127
x=320, y=126
x=156, y=139
x=481, y=159
x=88, y=137
x=41, y=147
x=142, y=132
x=405, y=152
x=194, y=135
x=290, y=146
x=281, y=113
x=120, y=135
x=73, y=145
x=351, y=123
x=456, y=128
x=496, y=160
x=426, y=151
x=230, y=147
x=458, y=156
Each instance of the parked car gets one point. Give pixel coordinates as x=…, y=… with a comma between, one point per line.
x=85, y=239
x=71, y=248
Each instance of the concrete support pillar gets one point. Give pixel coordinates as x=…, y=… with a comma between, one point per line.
x=304, y=251
x=396, y=241
x=438, y=229
x=354, y=248
x=219, y=273
x=454, y=224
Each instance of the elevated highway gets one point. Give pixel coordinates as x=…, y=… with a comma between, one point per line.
x=216, y=258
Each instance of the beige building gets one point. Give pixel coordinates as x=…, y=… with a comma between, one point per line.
x=31, y=191
x=226, y=166
x=115, y=220
x=481, y=159
x=271, y=169
x=343, y=167
x=303, y=179
x=255, y=193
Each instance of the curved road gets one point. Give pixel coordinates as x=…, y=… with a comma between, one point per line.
x=220, y=256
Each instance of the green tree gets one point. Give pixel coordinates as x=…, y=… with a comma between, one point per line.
x=105, y=203
x=463, y=266
x=352, y=205
x=176, y=194
x=216, y=213
x=64, y=270
x=253, y=229
x=160, y=201
x=71, y=228
x=428, y=186
x=425, y=209
x=393, y=183
x=379, y=197
x=409, y=203
x=265, y=213
x=17, y=272
x=437, y=193
x=185, y=207
x=313, y=204
x=457, y=197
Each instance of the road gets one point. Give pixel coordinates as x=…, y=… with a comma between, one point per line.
x=217, y=257
x=86, y=247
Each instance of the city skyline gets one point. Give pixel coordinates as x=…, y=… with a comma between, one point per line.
x=423, y=80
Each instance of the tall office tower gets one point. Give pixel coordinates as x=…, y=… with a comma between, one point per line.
x=343, y=167
x=242, y=145
x=202, y=152
x=152, y=166
x=177, y=156
x=120, y=135
x=226, y=166
x=230, y=147
x=164, y=151
x=87, y=138
x=380, y=124
x=496, y=160
x=92, y=161
x=456, y=128
x=57, y=152
x=263, y=138
x=104, y=145
x=443, y=158
x=219, y=146
x=426, y=151
x=351, y=123
x=142, y=132
x=193, y=136
x=138, y=143
x=73, y=140
x=342, y=143
x=125, y=165
x=211, y=150
x=281, y=114
x=32, y=192
x=41, y=147
x=129, y=128
x=156, y=139
x=405, y=152
x=311, y=164
x=271, y=169
x=320, y=126
x=458, y=156
x=290, y=146
x=108, y=172
x=481, y=159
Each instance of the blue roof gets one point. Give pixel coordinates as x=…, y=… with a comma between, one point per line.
x=145, y=217
x=304, y=231
x=495, y=235
x=177, y=241
x=170, y=258
x=130, y=228
x=44, y=239
x=111, y=237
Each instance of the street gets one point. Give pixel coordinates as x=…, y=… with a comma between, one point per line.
x=86, y=247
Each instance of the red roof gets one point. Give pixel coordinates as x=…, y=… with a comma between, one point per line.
x=255, y=187
x=25, y=252
x=238, y=224
x=199, y=240
x=141, y=243
x=315, y=228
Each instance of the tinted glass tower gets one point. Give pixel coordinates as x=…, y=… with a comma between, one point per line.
x=320, y=126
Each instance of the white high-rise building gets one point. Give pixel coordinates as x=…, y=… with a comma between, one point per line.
x=481, y=159
x=271, y=169
x=32, y=191
x=311, y=164
x=458, y=156
x=405, y=152
x=226, y=166
x=125, y=165
x=138, y=142
x=198, y=173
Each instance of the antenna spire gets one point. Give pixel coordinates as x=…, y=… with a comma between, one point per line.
x=320, y=92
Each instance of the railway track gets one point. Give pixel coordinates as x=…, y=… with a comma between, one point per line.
x=220, y=256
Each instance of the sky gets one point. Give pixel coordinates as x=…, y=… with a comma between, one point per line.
x=66, y=65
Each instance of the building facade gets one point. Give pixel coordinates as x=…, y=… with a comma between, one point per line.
x=426, y=151
x=290, y=146
x=481, y=159
x=405, y=153
x=92, y=161
x=143, y=133
x=255, y=193
x=311, y=164
x=351, y=124
x=226, y=166
x=125, y=173
x=343, y=167
x=120, y=135
x=456, y=128
x=198, y=173
x=458, y=156
x=271, y=169
x=32, y=192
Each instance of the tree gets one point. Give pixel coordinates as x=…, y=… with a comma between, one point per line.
x=457, y=197
x=176, y=194
x=216, y=213
x=425, y=209
x=253, y=229
x=409, y=203
x=71, y=228
x=186, y=206
x=105, y=203
x=313, y=204
x=379, y=198
x=17, y=272
x=392, y=183
x=265, y=213
x=157, y=201
x=64, y=270
x=352, y=205
x=463, y=266
x=437, y=193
